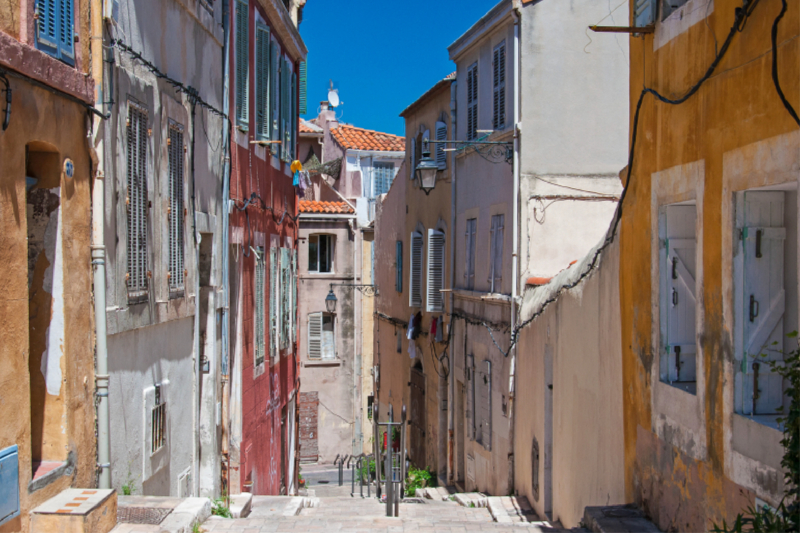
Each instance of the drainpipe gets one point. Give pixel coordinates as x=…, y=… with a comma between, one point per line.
x=515, y=237
x=197, y=306
x=452, y=381
x=99, y=253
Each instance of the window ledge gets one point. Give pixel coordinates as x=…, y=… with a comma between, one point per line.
x=770, y=421
x=46, y=472
x=323, y=362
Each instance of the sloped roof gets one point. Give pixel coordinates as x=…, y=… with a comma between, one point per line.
x=309, y=127
x=353, y=138
x=446, y=81
x=331, y=208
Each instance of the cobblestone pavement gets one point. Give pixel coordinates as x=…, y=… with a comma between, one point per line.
x=365, y=515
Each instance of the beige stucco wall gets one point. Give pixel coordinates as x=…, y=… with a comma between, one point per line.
x=367, y=337
x=69, y=399
x=580, y=332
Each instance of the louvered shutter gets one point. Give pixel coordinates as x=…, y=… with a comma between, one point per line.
x=286, y=93
x=137, y=204
x=496, y=256
x=294, y=297
x=66, y=31
x=260, y=277
x=644, y=13
x=763, y=301
x=47, y=25
x=441, y=155
x=398, y=282
x=413, y=171
x=242, y=62
x=435, y=278
x=485, y=404
x=415, y=272
x=499, y=78
x=293, y=114
x=273, y=303
x=274, y=97
x=286, y=291
x=469, y=268
x=303, y=87
x=176, y=208
x=472, y=102
x=315, y=336
x=262, y=81
x=471, y=384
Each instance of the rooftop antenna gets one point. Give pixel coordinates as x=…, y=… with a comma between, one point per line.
x=333, y=97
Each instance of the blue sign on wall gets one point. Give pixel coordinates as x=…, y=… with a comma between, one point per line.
x=9, y=484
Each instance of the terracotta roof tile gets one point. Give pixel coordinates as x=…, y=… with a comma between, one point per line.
x=332, y=208
x=309, y=127
x=350, y=137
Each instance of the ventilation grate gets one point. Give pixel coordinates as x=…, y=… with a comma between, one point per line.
x=141, y=515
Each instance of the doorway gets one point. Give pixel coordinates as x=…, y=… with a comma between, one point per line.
x=416, y=448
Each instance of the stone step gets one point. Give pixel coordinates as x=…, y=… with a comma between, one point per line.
x=77, y=510
x=618, y=519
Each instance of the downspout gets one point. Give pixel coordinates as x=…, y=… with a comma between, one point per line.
x=99, y=253
x=452, y=382
x=225, y=281
x=514, y=243
x=197, y=305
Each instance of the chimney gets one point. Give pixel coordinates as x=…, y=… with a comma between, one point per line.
x=327, y=117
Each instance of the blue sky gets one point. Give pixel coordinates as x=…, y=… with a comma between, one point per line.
x=382, y=55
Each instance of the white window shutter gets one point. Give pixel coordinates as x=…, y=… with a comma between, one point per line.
x=315, y=336
x=441, y=155
x=435, y=278
x=176, y=207
x=260, y=279
x=415, y=272
x=762, y=303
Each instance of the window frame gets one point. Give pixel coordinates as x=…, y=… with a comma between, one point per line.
x=331, y=249
x=323, y=316
x=137, y=205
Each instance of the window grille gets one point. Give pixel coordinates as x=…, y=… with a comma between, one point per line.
x=384, y=175
x=260, y=279
x=242, y=62
x=158, y=423
x=55, y=29
x=263, y=74
x=177, y=270
x=435, y=300
x=469, y=268
x=415, y=273
x=472, y=102
x=499, y=78
x=496, y=257
x=137, y=204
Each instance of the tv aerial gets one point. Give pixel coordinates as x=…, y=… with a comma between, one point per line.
x=333, y=97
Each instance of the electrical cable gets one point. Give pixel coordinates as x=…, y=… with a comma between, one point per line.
x=7, y=110
x=775, y=80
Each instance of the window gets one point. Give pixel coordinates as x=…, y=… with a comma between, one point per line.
x=158, y=423
x=263, y=74
x=384, y=175
x=469, y=268
x=483, y=428
x=398, y=265
x=321, y=341
x=472, y=102
x=260, y=297
x=765, y=308
x=670, y=6
x=496, y=234
x=137, y=204
x=320, y=254
x=499, y=84
x=176, y=274
x=274, y=307
x=55, y=29
x=677, y=272
x=435, y=300
x=441, y=155
x=242, y=63
x=415, y=272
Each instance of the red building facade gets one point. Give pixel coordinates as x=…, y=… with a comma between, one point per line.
x=266, y=56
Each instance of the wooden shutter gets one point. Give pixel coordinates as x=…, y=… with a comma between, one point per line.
x=274, y=96
x=499, y=79
x=176, y=208
x=435, y=278
x=66, y=31
x=260, y=278
x=274, y=282
x=242, y=62
x=644, y=13
x=137, y=204
x=441, y=155
x=262, y=81
x=485, y=404
x=415, y=272
x=762, y=300
x=315, y=336
x=303, y=88
x=472, y=102
x=55, y=28
x=469, y=268
x=398, y=282
x=496, y=257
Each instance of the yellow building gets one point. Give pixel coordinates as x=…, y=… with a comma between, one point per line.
x=709, y=224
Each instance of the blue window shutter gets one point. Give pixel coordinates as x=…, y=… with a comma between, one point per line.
x=9, y=484
x=47, y=26
x=66, y=31
x=303, y=87
x=644, y=13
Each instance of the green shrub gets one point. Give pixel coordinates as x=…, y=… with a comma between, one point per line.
x=219, y=507
x=417, y=478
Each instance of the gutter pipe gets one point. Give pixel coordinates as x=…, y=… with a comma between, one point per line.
x=451, y=379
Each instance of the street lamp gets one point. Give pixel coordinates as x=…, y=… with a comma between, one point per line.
x=330, y=301
x=426, y=170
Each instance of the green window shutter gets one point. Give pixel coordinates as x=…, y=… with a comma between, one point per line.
x=260, y=276
x=273, y=303
x=274, y=95
x=303, y=87
x=262, y=81
x=242, y=62
x=294, y=296
x=286, y=90
x=293, y=105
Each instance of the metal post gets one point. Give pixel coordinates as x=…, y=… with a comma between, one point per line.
x=403, y=452
x=376, y=449
x=352, y=476
x=389, y=466
x=369, y=457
